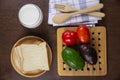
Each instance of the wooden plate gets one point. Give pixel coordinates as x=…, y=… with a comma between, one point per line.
x=29, y=40
x=98, y=41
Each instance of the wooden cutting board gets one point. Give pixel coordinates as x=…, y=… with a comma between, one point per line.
x=98, y=41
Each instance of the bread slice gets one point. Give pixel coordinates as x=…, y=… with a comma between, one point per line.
x=34, y=57
x=18, y=59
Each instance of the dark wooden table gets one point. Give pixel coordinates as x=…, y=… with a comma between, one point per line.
x=11, y=30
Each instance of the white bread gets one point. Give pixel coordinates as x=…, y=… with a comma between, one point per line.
x=33, y=58
x=18, y=57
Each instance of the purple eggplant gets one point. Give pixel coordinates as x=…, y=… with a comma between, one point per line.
x=88, y=53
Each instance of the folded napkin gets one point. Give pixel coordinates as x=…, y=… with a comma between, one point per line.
x=76, y=20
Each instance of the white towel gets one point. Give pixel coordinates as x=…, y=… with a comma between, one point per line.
x=76, y=20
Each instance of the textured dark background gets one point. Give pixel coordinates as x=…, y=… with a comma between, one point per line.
x=11, y=30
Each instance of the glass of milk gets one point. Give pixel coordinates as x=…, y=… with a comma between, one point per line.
x=30, y=16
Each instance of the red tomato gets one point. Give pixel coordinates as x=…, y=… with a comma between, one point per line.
x=69, y=37
x=83, y=34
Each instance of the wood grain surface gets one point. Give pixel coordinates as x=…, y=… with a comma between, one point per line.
x=11, y=30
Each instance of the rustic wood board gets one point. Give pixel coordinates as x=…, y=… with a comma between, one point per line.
x=98, y=41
